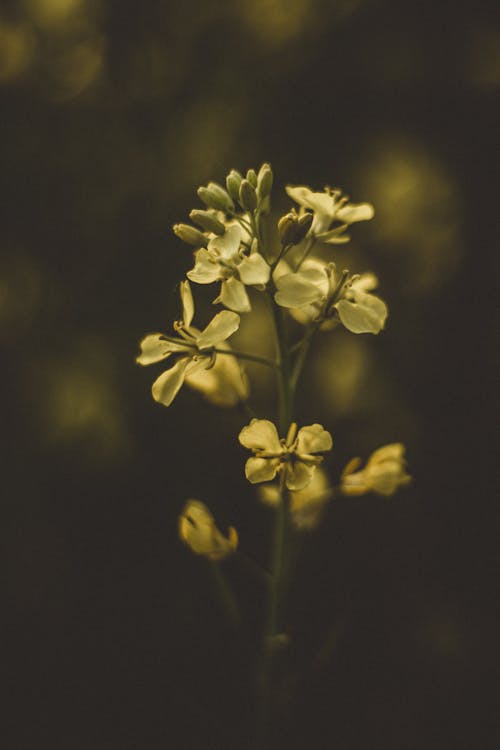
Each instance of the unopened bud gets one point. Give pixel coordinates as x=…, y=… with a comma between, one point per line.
x=293, y=229
x=233, y=182
x=207, y=221
x=264, y=181
x=252, y=177
x=214, y=196
x=191, y=235
x=248, y=196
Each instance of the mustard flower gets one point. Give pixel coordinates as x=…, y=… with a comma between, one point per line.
x=296, y=455
x=227, y=259
x=317, y=292
x=306, y=505
x=196, y=355
x=384, y=472
x=330, y=207
x=197, y=529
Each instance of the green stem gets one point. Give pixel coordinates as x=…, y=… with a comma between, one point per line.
x=301, y=357
x=225, y=594
x=247, y=356
x=278, y=566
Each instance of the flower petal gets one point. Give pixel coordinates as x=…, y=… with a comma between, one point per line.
x=301, y=288
x=313, y=439
x=206, y=270
x=364, y=313
x=261, y=469
x=234, y=295
x=166, y=387
x=253, y=269
x=222, y=325
x=154, y=348
x=224, y=384
x=260, y=435
x=227, y=245
x=298, y=475
x=353, y=212
x=187, y=303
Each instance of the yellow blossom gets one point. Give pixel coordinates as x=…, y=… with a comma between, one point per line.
x=384, y=472
x=306, y=505
x=197, y=529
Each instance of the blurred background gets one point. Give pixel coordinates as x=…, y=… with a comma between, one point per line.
x=113, y=113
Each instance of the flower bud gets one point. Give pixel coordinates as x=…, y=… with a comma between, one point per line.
x=191, y=235
x=233, y=182
x=248, y=196
x=293, y=228
x=264, y=181
x=252, y=177
x=214, y=196
x=207, y=221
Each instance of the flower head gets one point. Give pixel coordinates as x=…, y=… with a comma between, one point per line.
x=306, y=505
x=227, y=260
x=195, y=350
x=197, y=529
x=384, y=472
x=329, y=207
x=296, y=455
x=317, y=292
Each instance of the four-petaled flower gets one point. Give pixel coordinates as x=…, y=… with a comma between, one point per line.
x=195, y=349
x=318, y=293
x=227, y=260
x=384, y=472
x=329, y=207
x=296, y=455
x=197, y=529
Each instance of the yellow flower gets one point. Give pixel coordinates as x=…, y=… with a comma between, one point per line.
x=329, y=207
x=384, y=472
x=196, y=356
x=296, y=455
x=306, y=505
x=197, y=529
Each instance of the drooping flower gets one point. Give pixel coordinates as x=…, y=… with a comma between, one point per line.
x=296, y=455
x=330, y=207
x=306, y=505
x=228, y=260
x=384, y=472
x=197, y=529
x=318, y=292
x=196, y=355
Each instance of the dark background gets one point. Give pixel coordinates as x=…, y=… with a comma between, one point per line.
x=112, y=114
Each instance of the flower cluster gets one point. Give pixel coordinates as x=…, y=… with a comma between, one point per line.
x=231, y=248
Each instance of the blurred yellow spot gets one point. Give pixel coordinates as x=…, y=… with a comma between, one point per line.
x=51, y=13
x=418, y=212
x=78, y=67
x=276, y=21
x=80, y=400
x=16, y=50
x=21, y=286
x=340, y=370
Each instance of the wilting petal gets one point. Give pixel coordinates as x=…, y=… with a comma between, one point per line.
x=253, y=269
x=298, y=475
x=365, y=313
x=261, y=469
x=206, y=270
x=222, y=325
x=234, y=295
x=353, y=212
x=154, y=348
x=261, y=435
x=313, y=439
x=167, y=386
